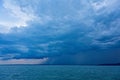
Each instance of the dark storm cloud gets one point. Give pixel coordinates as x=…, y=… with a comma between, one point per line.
x=66, y=32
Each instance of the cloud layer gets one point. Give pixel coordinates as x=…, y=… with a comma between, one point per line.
x=63, y=31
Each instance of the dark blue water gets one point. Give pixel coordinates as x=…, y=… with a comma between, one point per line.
x=63, y=72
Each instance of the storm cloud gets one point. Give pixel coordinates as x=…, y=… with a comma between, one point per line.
x=60, y=31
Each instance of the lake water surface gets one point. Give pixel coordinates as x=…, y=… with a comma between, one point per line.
x=59, y=72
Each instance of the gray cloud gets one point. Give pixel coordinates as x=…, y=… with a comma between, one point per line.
x=72, y=31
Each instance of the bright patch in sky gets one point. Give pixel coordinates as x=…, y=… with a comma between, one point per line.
x=13, y=16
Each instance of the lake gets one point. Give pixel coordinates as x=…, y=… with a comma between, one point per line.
x=59, y=72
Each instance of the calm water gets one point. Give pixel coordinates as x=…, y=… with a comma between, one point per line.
x=47, y=72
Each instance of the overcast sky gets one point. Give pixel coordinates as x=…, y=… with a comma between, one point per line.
x=59, y=31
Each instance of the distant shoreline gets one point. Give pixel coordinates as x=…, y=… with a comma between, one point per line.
x=60, y=64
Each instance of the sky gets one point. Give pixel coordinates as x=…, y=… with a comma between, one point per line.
x=59, y=31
